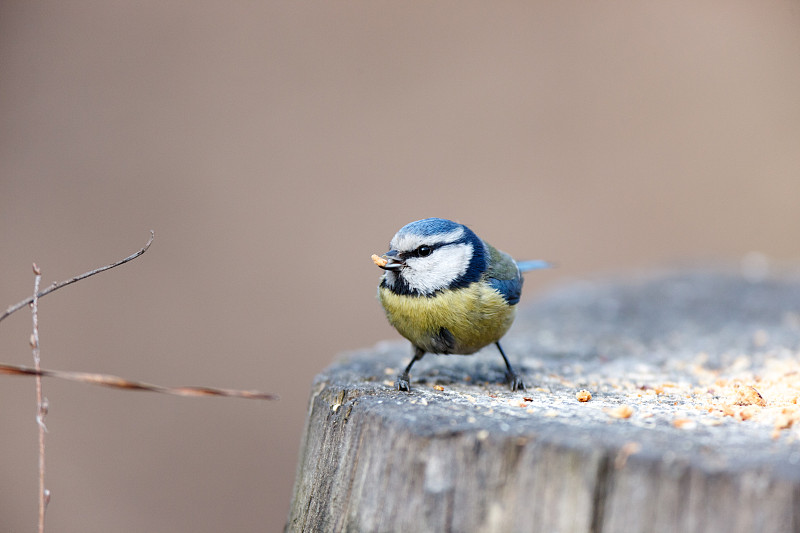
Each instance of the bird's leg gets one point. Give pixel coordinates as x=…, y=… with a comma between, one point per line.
x=403, y=380
x=514, y=379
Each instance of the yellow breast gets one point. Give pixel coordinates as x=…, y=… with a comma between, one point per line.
x=475, y=316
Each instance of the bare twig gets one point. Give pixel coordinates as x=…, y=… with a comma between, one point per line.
x=83, y=377
x=117, y=382
x=41, y=402
x=57, y=285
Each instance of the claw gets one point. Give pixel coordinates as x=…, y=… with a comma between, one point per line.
x=515, y=381
x=403, y=383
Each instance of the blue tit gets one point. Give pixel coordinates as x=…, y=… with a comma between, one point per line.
x=449, y=292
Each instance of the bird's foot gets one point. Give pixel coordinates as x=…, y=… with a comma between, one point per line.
x=515, y=381
x=403, y=383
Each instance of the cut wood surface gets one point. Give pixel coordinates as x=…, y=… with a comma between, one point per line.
x=693, y=422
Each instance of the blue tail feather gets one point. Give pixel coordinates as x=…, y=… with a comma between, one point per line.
x=525, y=266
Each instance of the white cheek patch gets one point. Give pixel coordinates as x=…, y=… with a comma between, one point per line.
x=407, y=242
x=436, y=271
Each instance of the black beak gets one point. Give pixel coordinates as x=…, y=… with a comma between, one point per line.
x=393, y=262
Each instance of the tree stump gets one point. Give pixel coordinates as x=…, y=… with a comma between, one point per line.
x=692, y=423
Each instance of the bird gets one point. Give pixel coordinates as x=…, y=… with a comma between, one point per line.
x=449, y=292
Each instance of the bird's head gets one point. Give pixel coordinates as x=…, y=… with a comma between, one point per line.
x=430, y=255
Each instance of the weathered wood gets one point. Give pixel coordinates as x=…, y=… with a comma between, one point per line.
x=698, y=453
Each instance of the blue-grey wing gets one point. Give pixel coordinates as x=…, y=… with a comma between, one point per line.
x=510, y=289
x=503, y=275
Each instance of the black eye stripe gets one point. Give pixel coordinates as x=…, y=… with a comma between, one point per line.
x=424, y=250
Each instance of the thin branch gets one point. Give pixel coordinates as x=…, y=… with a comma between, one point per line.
x=57, y=285
x=41, y=402
x=116, y=382
x=83, y=377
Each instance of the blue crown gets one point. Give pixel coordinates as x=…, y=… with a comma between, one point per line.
x=431, y=226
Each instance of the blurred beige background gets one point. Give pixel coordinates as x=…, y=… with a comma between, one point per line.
x=274, y=146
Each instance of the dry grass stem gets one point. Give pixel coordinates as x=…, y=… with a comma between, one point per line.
x=117, y=382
